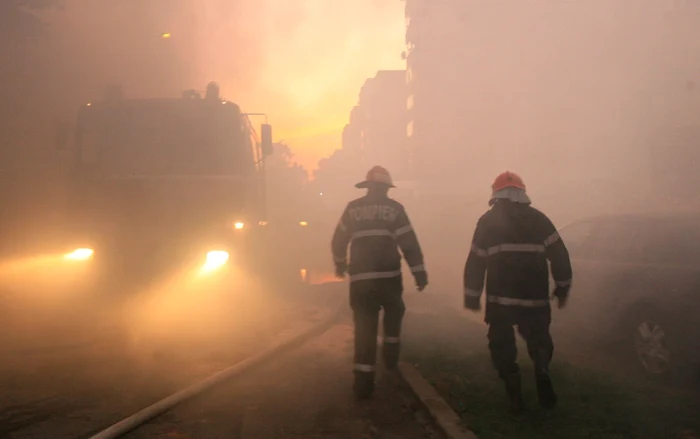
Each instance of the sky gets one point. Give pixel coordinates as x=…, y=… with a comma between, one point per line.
x=310, y=59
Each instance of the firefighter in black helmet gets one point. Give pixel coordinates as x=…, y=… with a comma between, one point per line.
x=512, y=245
x=377, y=226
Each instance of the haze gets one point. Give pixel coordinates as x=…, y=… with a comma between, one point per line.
x=301, y=62
x=595, y=104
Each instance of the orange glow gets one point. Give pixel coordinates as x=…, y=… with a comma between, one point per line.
x=302, y=62
x=81, y=254
x=215, y=260
x=317, y=55
x=323, y=278
x=43, y=276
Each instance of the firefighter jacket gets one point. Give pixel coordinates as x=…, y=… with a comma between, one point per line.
x=512, y=245
x=375, y=227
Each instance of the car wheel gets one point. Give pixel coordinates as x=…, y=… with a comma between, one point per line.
x=656, y=344
x=651, y=347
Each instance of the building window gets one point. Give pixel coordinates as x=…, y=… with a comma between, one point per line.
x=409, y=129
x=409, y=102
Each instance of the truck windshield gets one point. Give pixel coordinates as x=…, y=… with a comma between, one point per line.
x=163, y=138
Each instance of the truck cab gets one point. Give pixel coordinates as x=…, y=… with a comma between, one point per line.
x=157, y=184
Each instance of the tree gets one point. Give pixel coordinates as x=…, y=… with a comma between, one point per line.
x=337, y=175
x=287, y=182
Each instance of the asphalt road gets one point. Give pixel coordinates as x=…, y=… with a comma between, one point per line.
x=307, y=394
x=72, y=392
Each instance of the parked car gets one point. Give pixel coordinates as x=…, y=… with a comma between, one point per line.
x=637, y=286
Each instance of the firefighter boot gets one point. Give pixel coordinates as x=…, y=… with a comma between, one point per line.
x=514, y=389
x=364, y=385
x=390, y=355
x=545, y=391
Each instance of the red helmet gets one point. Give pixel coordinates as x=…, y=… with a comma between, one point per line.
x=376, y=175
x=507, y=179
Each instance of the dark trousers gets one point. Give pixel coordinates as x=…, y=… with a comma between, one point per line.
x=535, y=330
x=367, y=297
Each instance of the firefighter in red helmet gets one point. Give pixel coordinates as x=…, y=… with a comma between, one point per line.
x=376, y=227
x=512, y=245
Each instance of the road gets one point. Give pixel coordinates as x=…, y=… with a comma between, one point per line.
x=72, y=391
x=307, y=394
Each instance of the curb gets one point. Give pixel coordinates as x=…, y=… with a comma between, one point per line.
x=444, y=417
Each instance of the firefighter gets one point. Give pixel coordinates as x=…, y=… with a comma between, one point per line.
x=511, y=247
x=377, y=226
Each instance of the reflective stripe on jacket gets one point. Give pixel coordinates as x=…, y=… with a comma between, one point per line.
x=376, y=227
x=512, y=249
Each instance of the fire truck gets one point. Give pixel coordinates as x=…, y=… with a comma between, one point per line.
x=162, y=183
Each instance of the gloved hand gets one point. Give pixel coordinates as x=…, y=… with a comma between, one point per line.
x=340, y=270
x=421, y=280
x=472, y=303
x=562, y=296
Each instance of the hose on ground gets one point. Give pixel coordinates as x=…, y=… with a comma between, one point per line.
x=141, y=417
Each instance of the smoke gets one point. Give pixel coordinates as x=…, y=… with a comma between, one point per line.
x=98, y=43
x=301, y=62
x=310, y=59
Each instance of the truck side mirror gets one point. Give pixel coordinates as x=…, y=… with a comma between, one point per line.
x=62, y=132
x=266, y=139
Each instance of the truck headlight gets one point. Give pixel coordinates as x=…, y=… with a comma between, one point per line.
x=79, y=254
x=238, y=225
x=215, y=259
